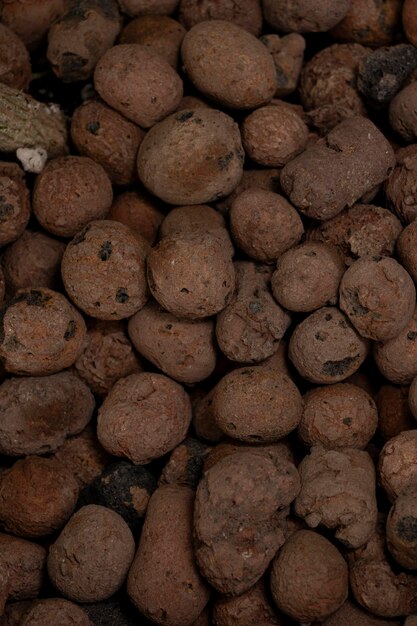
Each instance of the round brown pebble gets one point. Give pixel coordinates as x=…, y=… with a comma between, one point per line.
x=304, y=587
x=41, y=333
x=401, y=186
x=55, y=611
x=102, y=134
x=304, y=16
x=325, y=348
x=33, y=260
x=396, y=358
x=14, y=202
x=264, y=224
x=191, y=276
x=143, y=417
x=244, y=13
x=351, y=614
x=370, y=22
x=267, y=179
x=251, y=326
x=361, y=230
x=409, y=19
x=69, y=193
x=138, y=83
x=107, y=356
x=166, y=545
x=307, y=277
x=378, y=296
x=23, y=564
x=252, y=607
x=103, y=270
x=148, y=7
x=338, y=416
x=402, y=531
x=394, y=413
x=91, y=557
x=212, y=53
x=182, y=349
x=31, y=19
x=139, y=211
x=407, y=250
x=403, y=113
x=192, y=157
x=329, y=78
x=37, y=414
x=258, y=405
x=37, y=496
x=15, y=69
x=160, y=33
x=273, y=135
x=398, y=465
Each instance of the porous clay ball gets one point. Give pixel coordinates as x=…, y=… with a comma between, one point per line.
x=138, y=83
x=363, y=229
x=166, y=545
x=401, y=186
x=266, y=179
x=103, y=270
x=126, y=489
x=23, y=564
x=338, y=416
x=80, y=37
x=325, y=348
x=329, y=78
x=196, y=218
x=396, y=358
x=394, y=414
x=378, y=296
x=307, y=277
x=252, y=607
x=55, y=611
x=183, y=349
x=244, y=13
x=369, y=22
x=83, y=456
x=191, y=276
x=402, y=531
x=256, y=405
x=38, y=413
x=33, y=260
x=69, y=193
x=264, y=224
x=305, y=587
x=37, y=496
x=351, y=614
x=107, y=356
x=402, y=113
x=273, y=135
x=15, y=69
x=212, y=53
x=139, y=211
x=237, y=499
x=91, y=557
x=316, y=181
x=102, y=134
x=185, y=464
x=192, y=157
x=148, y=7
x=304, y=16
x=14, y=202
x=143, y=417
x=288, y=54
x=406, y=249
x=398, y=464
x=409, y=20
x=160, y=33
x=251, y=326
x=31, y=19
x=42, y=333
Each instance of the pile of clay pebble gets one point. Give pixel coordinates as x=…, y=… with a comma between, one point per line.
x=208, y=322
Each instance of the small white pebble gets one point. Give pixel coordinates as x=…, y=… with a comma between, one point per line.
x=32, y=159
